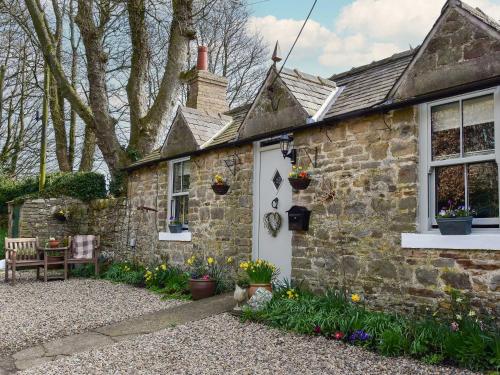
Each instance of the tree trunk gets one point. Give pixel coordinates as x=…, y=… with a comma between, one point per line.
x=45, y=120
x=88, y=151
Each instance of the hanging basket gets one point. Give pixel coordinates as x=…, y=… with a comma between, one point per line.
x=220, y=189
x=299, y=183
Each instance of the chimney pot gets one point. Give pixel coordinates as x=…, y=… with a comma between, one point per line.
x=202, y=63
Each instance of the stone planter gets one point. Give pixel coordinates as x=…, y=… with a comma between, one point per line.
x=220, y=189
x=299, y=183
x=175, y=228
x=201, y=288
x=455, y=225
x=253, y=288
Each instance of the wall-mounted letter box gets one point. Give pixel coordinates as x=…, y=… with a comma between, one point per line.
x=298, y=218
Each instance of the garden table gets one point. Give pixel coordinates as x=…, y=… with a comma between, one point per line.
x=50, y=259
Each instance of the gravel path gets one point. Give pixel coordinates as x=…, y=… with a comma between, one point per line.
x=32, y=312
x=222, y=345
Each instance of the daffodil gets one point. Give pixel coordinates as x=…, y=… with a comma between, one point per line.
x=210, y=260
x=163, y=267
x=355, y=298
x=229, y=260
x=472, y=313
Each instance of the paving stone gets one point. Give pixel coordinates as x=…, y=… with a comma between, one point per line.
x=28, y=363
x=77, y=343
x=34, y=352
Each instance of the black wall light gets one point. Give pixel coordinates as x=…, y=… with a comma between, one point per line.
x=285, y=141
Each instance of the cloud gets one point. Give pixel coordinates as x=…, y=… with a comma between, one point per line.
x=364, y=31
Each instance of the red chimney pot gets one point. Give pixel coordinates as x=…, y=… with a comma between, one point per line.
x=202, y=63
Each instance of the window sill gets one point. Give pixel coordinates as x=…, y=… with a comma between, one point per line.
x=184, y=236
x=480, y=240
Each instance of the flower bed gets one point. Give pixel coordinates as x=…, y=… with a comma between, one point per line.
x=454, y=336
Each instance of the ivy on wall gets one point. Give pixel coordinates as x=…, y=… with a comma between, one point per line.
x=81, y=185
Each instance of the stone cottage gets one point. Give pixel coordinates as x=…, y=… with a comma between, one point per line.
x=387, y=144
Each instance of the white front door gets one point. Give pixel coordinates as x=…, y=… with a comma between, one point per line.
x=271, y=184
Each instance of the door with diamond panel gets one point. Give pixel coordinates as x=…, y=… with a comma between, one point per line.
x=274, y=197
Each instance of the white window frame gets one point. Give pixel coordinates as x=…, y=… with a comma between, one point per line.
x=427, y=165
x=171, y=193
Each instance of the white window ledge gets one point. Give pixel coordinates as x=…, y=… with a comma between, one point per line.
x=184, y=236
x=434, y=240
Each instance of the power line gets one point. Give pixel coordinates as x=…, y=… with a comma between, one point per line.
x=296, y=39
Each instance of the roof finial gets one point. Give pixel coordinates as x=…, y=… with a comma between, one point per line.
x=276, y=53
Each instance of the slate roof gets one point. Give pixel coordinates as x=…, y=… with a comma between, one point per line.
x=151, y=157
x=368, y=85
x=481, y=15
x=230, y=132
x=310, y=91
x=203, y=125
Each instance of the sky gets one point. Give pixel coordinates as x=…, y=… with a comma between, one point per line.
x=342, y=34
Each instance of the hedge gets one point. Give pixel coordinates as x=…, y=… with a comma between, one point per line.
x=81, y=185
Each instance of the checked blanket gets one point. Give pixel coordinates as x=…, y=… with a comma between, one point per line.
x=83, y=245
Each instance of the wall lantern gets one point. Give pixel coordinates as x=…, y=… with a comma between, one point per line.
x=285, y=141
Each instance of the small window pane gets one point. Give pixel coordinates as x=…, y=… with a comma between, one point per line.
x=479, y=129
x=483, y=188
x=450, y=186
x=177, y=183
x=180, y=204
x=186, y=171
x=445, y=120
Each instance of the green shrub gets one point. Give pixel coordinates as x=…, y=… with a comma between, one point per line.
x=82, y=185
x=128, y=273
x=83, y=270
x=3, y=234
x=457, y=337
x=168, y=280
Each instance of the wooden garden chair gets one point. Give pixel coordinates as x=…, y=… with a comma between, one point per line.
x=84, y=249
x=21, y=253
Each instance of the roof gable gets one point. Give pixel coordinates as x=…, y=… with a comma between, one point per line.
x=179, y=138
x=462, y=47
x=286, y=100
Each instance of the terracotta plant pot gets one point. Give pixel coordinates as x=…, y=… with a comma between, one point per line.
x=299, y=183
x=54, y=243
x=201, y=288
x=220, y=189
x=253, y=288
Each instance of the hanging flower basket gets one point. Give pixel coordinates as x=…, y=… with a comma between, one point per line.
x=299, y=178
x=220, y=189
x=299, y=183
x=220, y=186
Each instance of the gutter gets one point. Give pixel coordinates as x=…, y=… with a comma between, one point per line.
x=381, y=108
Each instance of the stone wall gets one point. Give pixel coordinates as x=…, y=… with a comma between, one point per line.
x=37, y=219
x=363, y=197
x=222, y=224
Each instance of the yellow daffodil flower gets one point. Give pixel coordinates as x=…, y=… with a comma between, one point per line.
x=229, y=260
x=163, y=267
x=355, y=298
x=210, y=260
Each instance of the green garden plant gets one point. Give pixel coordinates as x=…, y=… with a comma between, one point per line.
x=259, y=271
x=127, y=272
x=454, y=335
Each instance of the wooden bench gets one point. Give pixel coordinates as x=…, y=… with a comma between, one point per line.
x=71, y=254
x=21, y=253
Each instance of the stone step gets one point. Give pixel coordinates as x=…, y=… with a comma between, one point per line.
x=127, y=329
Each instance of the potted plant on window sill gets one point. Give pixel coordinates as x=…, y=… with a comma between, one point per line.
x=219, y=185
x=174, y=226
x=455, y=221
x=299, y=178
x=260, y=274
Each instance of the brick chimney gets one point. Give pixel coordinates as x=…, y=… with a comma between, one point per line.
x=207, y=91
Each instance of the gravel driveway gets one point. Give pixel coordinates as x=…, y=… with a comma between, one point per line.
x=222, y=345
x=33, y=311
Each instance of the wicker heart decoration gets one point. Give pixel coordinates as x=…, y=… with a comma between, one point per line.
x=272, y=222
